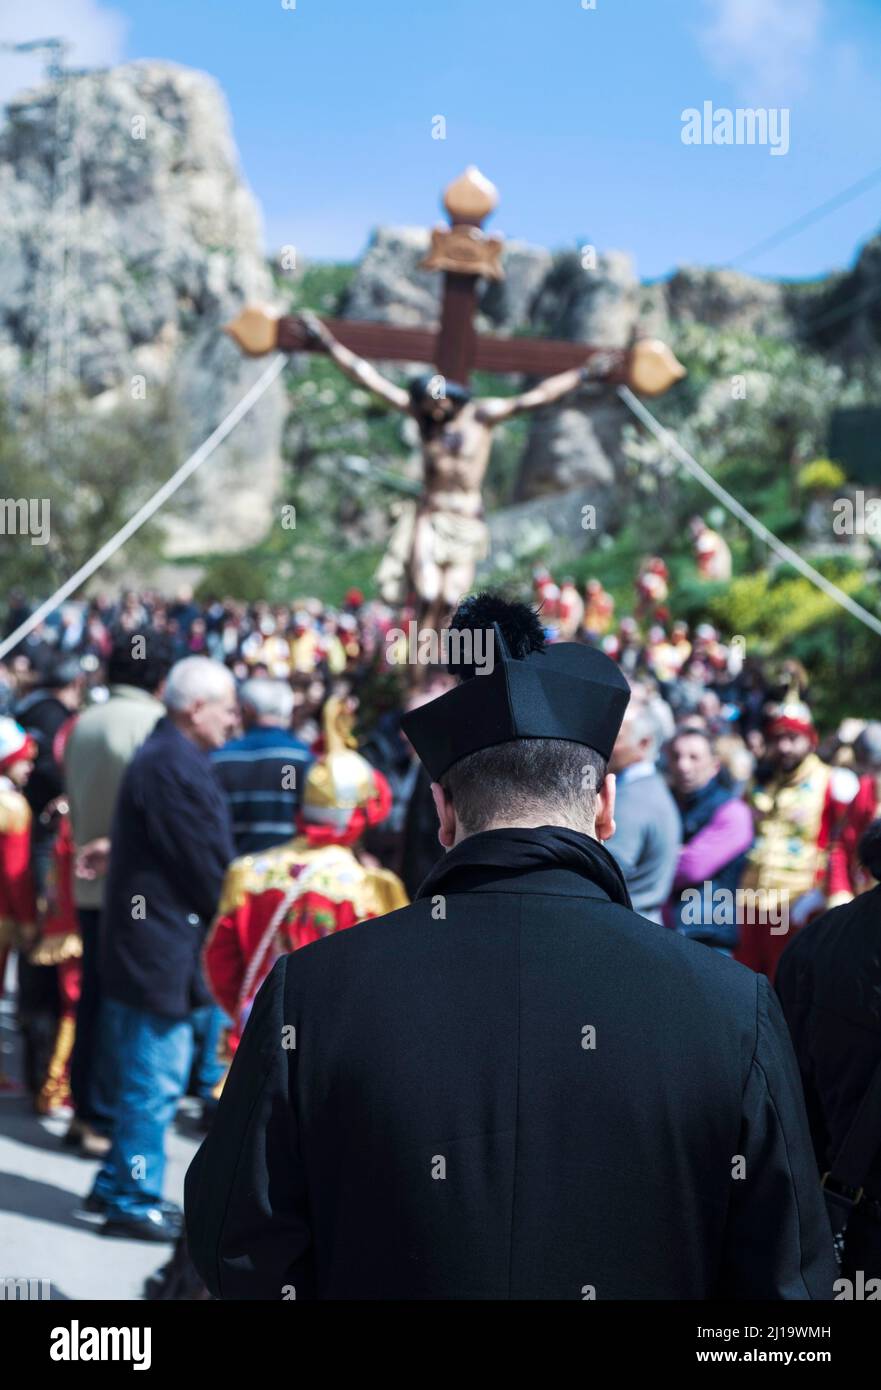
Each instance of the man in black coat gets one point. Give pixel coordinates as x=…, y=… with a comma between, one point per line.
x=171, y=841
x=515, y=1088
x=829, y=982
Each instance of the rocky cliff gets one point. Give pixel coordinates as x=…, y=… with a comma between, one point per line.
x=127, y=238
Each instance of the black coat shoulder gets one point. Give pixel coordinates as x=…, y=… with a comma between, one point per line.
x=829, y=984
x=511, y=1094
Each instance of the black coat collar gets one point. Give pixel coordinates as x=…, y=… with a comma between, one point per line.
x=545, y=859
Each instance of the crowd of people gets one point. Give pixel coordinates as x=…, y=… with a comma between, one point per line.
x=189, y=790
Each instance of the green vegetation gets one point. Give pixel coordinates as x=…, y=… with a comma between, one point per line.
x=94, y=470
x=320, y=287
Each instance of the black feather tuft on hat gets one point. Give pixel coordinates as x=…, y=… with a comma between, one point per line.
x=516, y=624
x=526, y=690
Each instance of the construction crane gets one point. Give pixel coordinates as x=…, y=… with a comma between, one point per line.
x=56, y=48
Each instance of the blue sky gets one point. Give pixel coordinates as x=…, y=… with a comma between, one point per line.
x=575, y=113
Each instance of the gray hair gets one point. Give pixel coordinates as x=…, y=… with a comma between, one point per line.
x=273, y=699
x=644, y=725
x=550, y=777
x=196, y=678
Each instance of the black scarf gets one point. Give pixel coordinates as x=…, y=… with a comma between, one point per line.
x=517, y=851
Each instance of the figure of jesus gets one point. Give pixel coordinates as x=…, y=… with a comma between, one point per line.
x=434, y=549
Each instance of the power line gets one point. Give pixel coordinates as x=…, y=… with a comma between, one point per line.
x=859, y=301
x=152, y=505
x=671, y=443
x=845, y=310
x=807, y=219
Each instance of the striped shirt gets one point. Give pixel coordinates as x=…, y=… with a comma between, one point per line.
x=262, y=775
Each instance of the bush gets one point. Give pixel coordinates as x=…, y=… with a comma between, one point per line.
x=821, y=476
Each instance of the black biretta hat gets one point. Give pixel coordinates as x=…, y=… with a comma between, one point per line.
x=567, y=691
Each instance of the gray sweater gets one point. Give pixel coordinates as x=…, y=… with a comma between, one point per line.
x=647, y=837
x=102, y=743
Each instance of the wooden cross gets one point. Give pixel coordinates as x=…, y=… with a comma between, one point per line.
x=464, y=253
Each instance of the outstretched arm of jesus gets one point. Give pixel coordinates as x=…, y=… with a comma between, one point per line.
x=553, y=388
x=353, y=366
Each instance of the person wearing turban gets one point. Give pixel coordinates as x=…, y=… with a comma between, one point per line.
x=798, y=813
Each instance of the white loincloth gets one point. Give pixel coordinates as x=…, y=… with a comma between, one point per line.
x=454, y=539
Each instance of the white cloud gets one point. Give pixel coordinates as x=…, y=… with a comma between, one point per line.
x=96, y=36
x=766, y=48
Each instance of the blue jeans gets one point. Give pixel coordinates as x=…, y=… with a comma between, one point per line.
x=152, y=1057
x=208, y=1023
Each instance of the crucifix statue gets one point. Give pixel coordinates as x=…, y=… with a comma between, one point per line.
x=436, y=546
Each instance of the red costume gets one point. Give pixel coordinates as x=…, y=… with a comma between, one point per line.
x=711, y=552
x=547, y=596
x=847, y=876
x=599, y=609
x=18, y=910
x=652, y=590
x=313, y=885
x=17, y=907
x=799, y=817
x=60, y=944
x=570, y=610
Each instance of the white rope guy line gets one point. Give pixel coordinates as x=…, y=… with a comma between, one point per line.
x=134, y=523
x=706, y=479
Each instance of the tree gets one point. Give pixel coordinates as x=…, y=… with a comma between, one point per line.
x=87, y=470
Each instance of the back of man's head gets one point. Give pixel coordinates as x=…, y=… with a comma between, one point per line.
x=532, y=781
x=528, y=781
x=142, y=659
x=267, y=702
x=58, y=672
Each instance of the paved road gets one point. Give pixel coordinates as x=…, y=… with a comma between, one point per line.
x=43, y=1235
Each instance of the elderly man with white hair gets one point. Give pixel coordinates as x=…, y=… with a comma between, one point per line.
x=263, y=772
x=170, y=844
